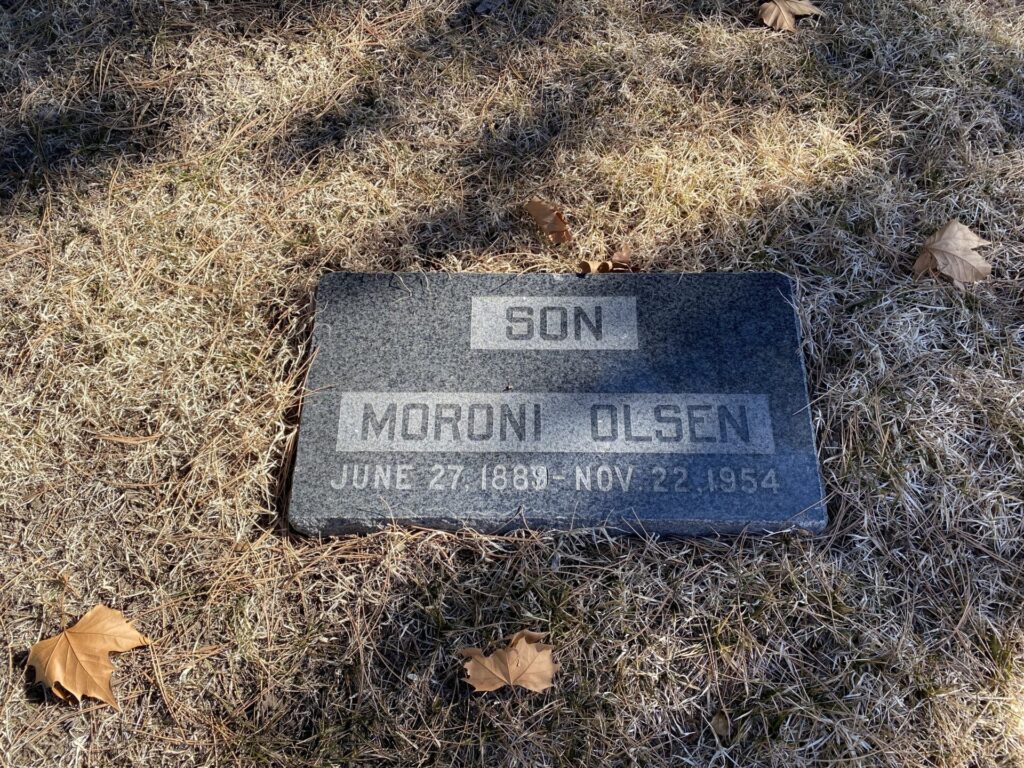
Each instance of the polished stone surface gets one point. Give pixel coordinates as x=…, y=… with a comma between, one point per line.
x=661, y=403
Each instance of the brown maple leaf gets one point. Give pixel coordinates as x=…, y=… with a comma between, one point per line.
x=782, y=14
x=526, y=662
x=550, y=220
x=951, y=251
x=77, y=660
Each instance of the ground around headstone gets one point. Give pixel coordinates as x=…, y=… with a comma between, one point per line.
x=669, y=404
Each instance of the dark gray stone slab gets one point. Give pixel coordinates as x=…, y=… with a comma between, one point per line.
x=660, y=403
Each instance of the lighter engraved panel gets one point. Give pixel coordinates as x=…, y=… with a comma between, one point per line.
x=554, y=422
x=553, y=322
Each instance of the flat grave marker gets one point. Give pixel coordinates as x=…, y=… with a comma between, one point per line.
x=670, y=403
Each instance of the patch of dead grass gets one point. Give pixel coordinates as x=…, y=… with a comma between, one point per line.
x=177, y=177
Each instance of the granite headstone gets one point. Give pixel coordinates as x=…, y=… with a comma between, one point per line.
x=664, y=403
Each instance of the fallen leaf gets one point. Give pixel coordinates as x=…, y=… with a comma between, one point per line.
x=594, y=267
x=782, y=14
x=78, y=660
x=720, y=725
x=621, y=261
x=526, y=662
x=951, y=252
x=550, y=220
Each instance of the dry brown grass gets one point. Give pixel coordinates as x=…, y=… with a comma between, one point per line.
x=176, y=176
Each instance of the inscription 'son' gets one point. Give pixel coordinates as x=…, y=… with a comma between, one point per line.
x=553, y=322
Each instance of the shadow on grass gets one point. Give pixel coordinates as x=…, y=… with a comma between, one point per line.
x=490, y=169
x=116, y=88
x=101, y=79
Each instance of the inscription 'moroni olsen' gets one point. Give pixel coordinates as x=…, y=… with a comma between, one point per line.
x=553, y=322
x=553, y=422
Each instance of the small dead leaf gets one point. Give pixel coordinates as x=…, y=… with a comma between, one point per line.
x=78, y=659
x=550, y=220
x=595, y=267
x=621, y=261
x=782, y=14
x=951, y=252
x=526, y=662
x=720, y=725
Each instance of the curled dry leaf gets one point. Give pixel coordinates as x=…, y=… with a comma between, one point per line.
x=782, y=14
x=951, y=252
x=550, y=220
x=620, y=262
x=594, y=267
x=526, y=662
x=78, y=659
